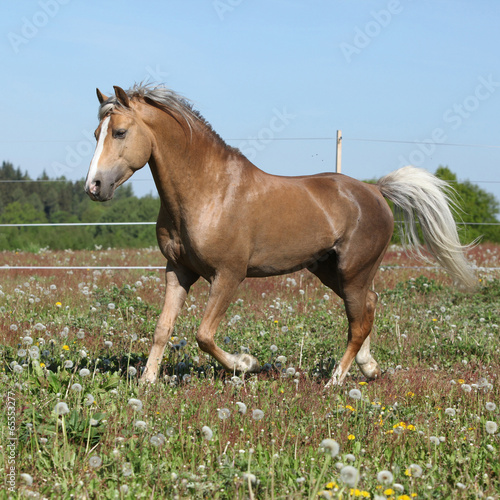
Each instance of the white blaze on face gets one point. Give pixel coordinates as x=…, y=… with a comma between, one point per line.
x=98, y=151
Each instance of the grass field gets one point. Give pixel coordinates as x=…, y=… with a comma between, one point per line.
x=76, y=423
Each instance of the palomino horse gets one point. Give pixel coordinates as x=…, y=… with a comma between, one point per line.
x=224, y=219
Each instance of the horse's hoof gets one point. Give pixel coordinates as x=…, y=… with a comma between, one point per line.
x=246, y=363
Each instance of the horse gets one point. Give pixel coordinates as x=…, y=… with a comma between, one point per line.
x=224, y=219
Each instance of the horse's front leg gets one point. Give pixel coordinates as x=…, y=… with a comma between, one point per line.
x=222, y=290
x=179, y=281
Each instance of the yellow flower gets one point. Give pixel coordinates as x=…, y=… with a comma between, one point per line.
x=349, y=407
x=331, y=485
x=411, y=427
x=434, y=319
x=65, y=347
x=363, y=383
x=351, y=437
x=58, y=304
x=461, y=381
x=388, y=491
x=403, y=497
x=42, y=365
x=410, y=394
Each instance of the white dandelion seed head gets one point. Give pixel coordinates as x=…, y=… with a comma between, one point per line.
x=140, y=424
x=136, y=404
x=76, y=387
x=127, y=469
x=355, y=394
x=17, y=368
x=385, y=477
x=40, y=327
x=415, y=470
x=242, y=407
x=61, y=408
x=491, y=427
x=350, y=457
x=330, y=446
x=490, y=406
x=111, y=306
x=93, y=422
x=68, y=364
x=84, y=372
x=248, y=476
x=257, y=414
x=108, y=343
x=132, y=371
x=290, y=372
x=466, y=387
x=434, y=440
x=281, y=359
x=27, y=478
x=21, y=353
x=273, y=348
x=349, y=475
x=450, y=411
x=223, y=413
x=207, y=432
x=95, y=461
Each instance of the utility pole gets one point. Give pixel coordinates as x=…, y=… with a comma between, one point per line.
x=338, y=163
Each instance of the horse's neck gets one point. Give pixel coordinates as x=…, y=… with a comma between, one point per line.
x=190, y=171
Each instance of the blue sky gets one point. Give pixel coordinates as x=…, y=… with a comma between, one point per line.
x=388, y=73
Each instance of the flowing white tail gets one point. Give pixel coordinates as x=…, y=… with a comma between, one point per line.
x=420, y=196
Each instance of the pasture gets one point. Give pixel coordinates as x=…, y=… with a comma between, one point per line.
x=76, y=423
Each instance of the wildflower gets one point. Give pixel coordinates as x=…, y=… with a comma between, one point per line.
x=207, y=432
x=389, y=491
x=39, y=326
x=414, y=470
x=349, y=475
x=466, y=387
x=273, y=348
x=351, y=437
x=58, y=304
x=157, y=440
x=242, y=407
x=248, y=476
x=330, y=446
x=355, y=394
x=450, y=411
x=435, y=440
x=65, y=347
x=491, y=406
x=385, y=477
x=136, y=404
x=68, y=364
x=93, y=422
x=300, y=479
x=108, y=343
x=491, y=427
x=140, y=424
x=27, y=340
x=61, y=408
x=111, y=306
x=14, y=327
x=84, y=372
x=80, y=334
x=132, y=371
x=281, y=359
x=76, y=387
x=290, y=372
x=257, y=414
x=461, y=486
x=127, y=469
x=27, y=478
x=350, y=457
x=398, y=487
x=21, y=353
x=223, y=413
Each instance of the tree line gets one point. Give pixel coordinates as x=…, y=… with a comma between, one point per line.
x=46, y=200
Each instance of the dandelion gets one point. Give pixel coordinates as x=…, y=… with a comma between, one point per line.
x=491, y=427
x=132, y=371
x=349, y=475
x=355, y=394
x=273, y=348
x=127, y=469
x=84, y=372
x=140, y=424
x=18, y=369
x=461, y=486
x=124, y=489
x=27, y=478
x=80, y=334
x=65, y=347
x=242, y=407
x=27, y=340
x=385, y=477
x=290, y=372
x=111, y=306
x=223, y=413
x=434, y=440
x=13, y=328
x=330, y=446
x=93, y=422
x=136, y=404
x=350, y=457
x=68, y=364
x=281, y=359
x=58, y=304
x=76, y=387
x=466, y=387
x=207, y=432
x=414, y=470
x=40, y=327
x=248, y=476
x=398, y=487
x=157, y=440
x=257, y=414
x=21, y=353
x=450, y=411
x=491, y=406
x=351, y=437
x=61, y=408
x=108, y=344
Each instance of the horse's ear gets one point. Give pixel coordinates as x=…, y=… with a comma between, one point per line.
x=102, y=98
x=122, y=96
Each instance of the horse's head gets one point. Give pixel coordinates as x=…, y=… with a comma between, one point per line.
x=124, y=145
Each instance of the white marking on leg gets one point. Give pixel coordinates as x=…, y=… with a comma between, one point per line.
x=97, y=153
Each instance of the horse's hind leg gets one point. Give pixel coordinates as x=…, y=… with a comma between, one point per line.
x=353, y=287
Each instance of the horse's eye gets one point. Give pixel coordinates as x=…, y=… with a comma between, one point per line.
x=120, y=133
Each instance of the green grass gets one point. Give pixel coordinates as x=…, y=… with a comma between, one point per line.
x=433, y=343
